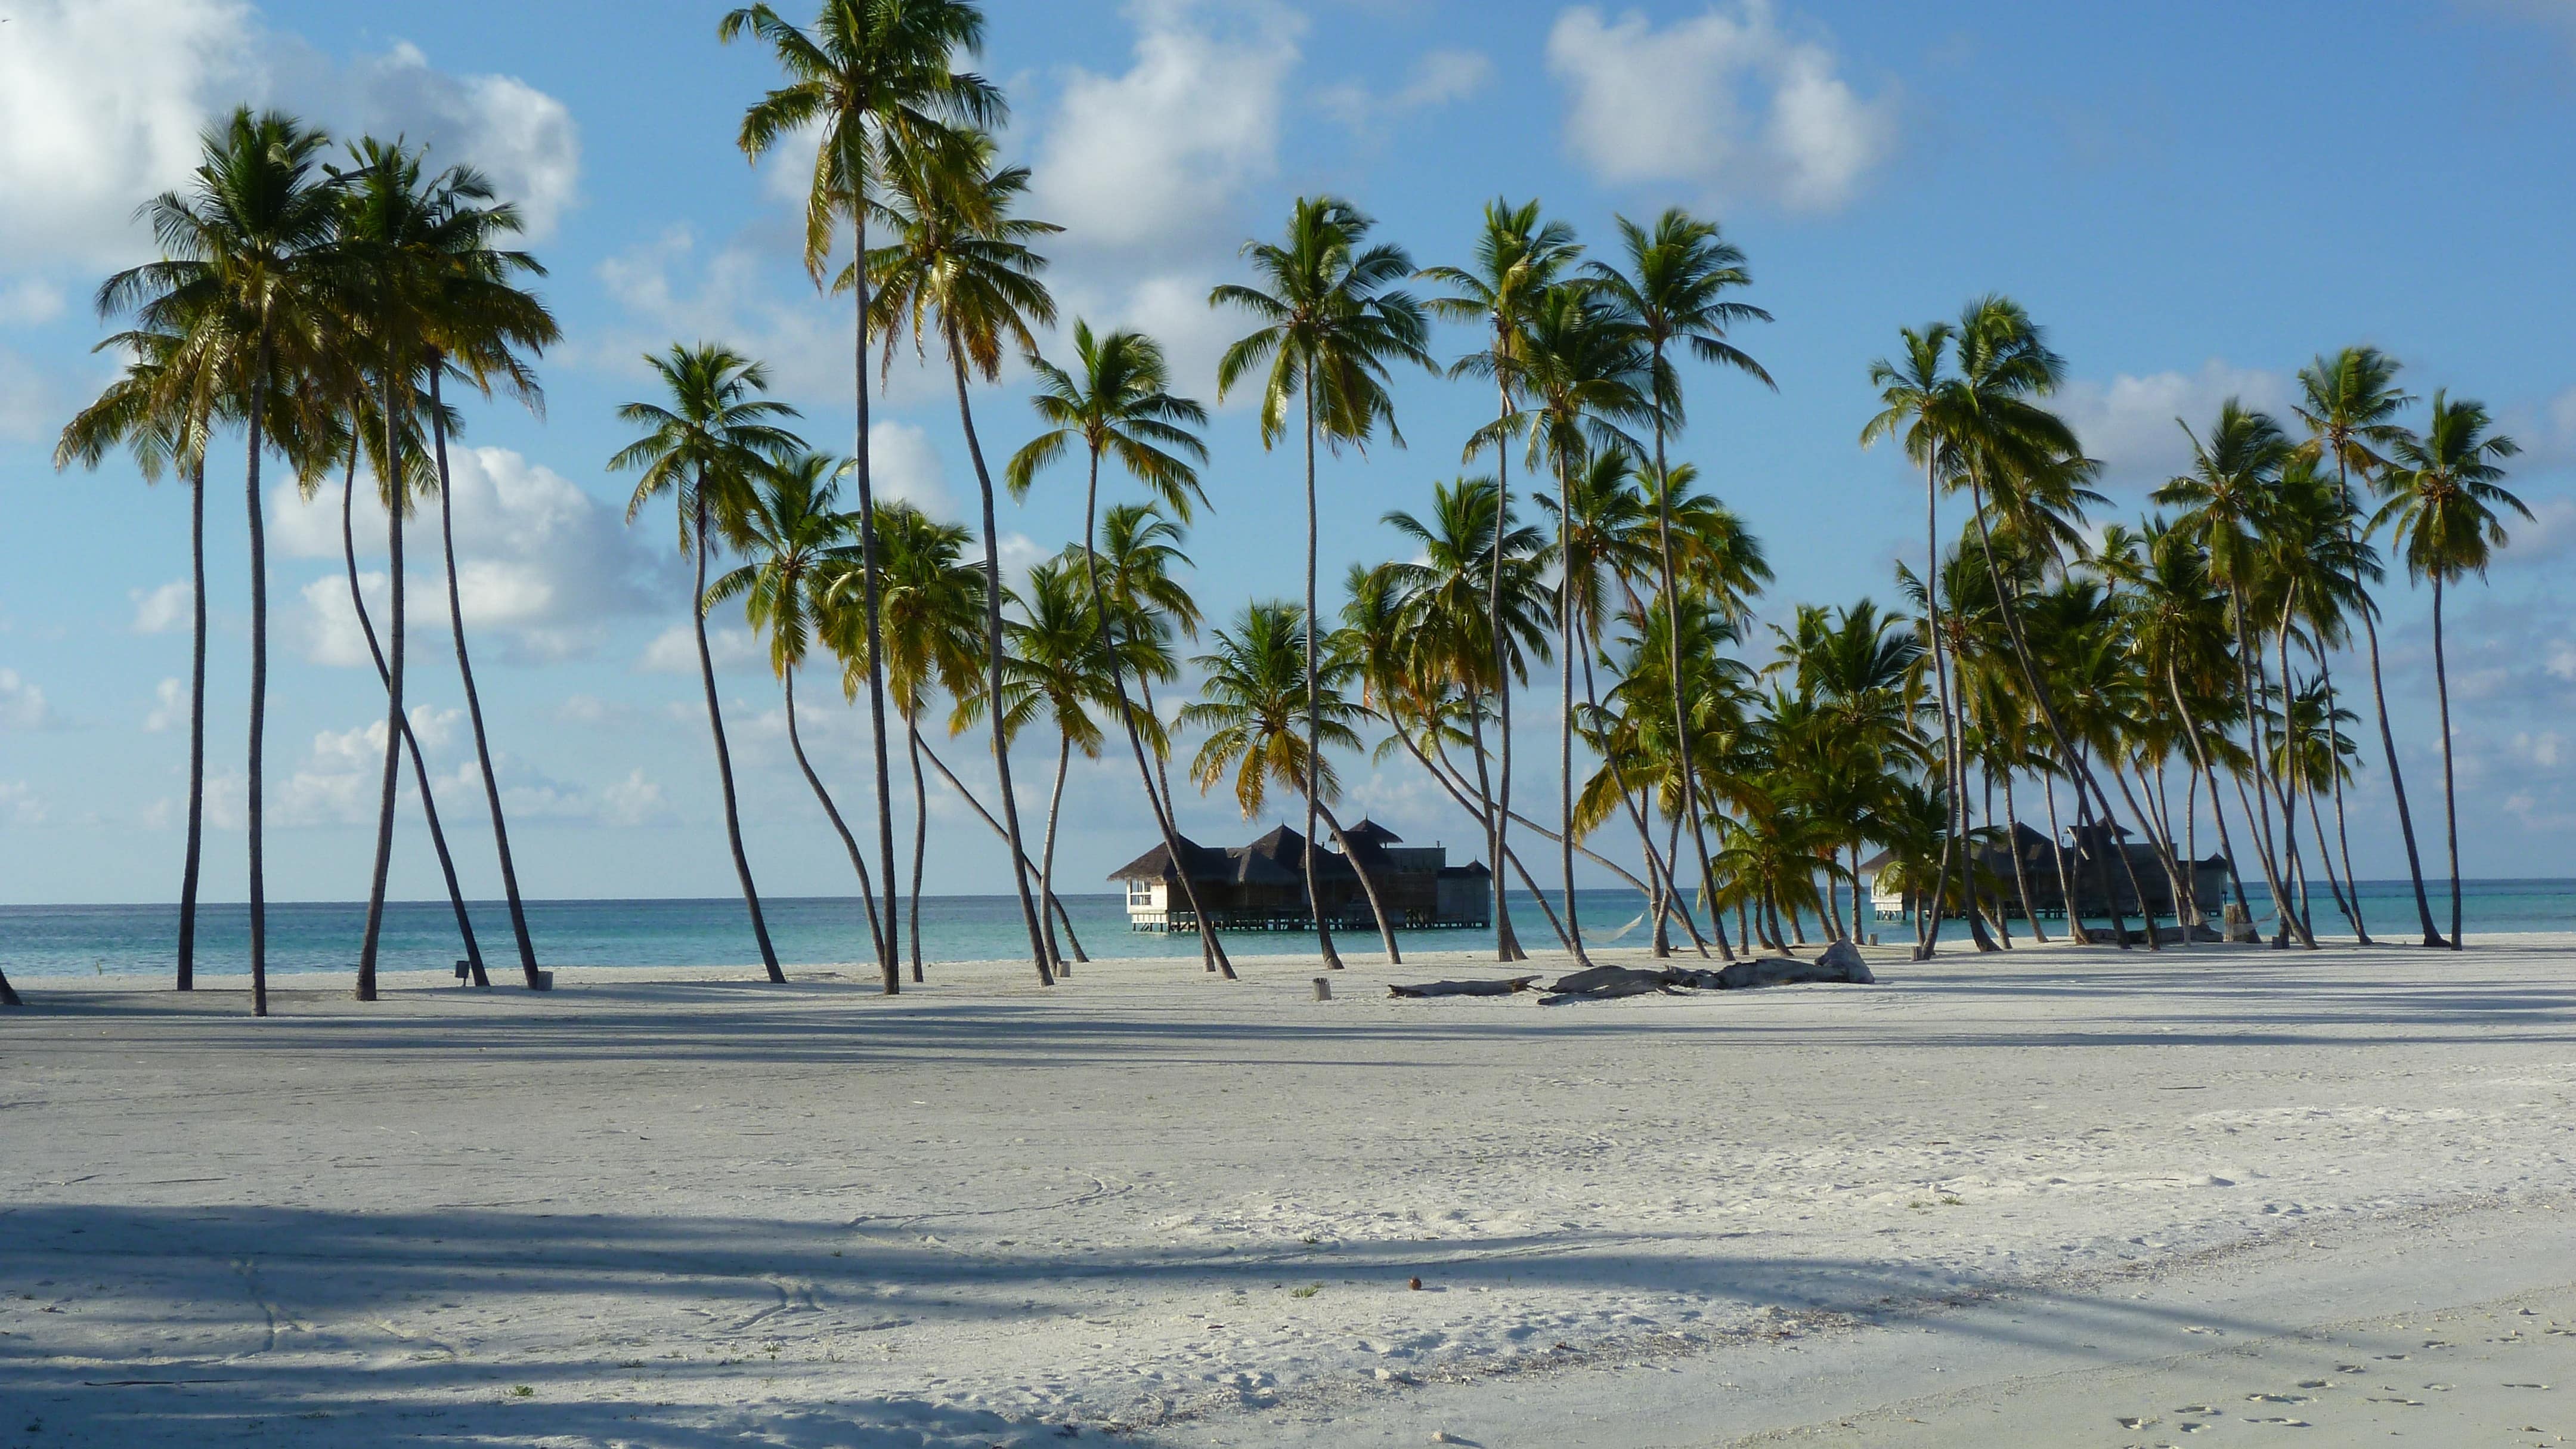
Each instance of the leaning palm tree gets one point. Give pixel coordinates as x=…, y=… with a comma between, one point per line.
x=245, y=250
x=163, y=415
x=960, y=268
x=794, y=536
x=704, y=448
x=1673, y=292
x=1058, y=668
x=2443, y=498
x=932, y=613
x=1518, y=258
x=1332, y=321
x=2350, y=403
x=478, y=324
x=874, y=77
x=1121, y=406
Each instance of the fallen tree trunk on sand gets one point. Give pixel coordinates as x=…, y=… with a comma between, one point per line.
x=1840, y=963
x=1510, y=987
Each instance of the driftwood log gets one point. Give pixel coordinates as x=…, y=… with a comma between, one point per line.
x=1466, y=988
x=1838, y=963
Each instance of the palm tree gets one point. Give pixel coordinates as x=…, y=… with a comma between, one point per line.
x=705, y=448
x=163, y=416
x=1059, y=663
x=1517, y=259
x=874, y=77
x=1261, y=681
x=2443, y=497
x=1331, y=321
x=1674, y=294
x=2228, y=499
x=961, y=268
x=794, y=535
x=478, y=322
x=1584, y=373
x=2350, y=403
x=933, y=615
x=1121, y=405
x=245, y=252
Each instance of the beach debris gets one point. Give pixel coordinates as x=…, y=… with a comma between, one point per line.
x=1413, y=1283
x=1509, y=987
x=1839, y=963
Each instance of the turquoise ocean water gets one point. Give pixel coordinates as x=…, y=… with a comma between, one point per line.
x=54, y=941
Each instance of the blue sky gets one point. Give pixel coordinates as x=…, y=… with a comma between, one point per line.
x=2195, y=198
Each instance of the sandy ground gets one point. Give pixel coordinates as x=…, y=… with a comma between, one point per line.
x=2049, y=1198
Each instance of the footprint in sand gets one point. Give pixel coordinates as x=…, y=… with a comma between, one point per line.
x=2196, y=1409
x=2284, y=1423
x=2315, y=1384
x=2410, y=1403
x=2130, y=1421
x=2277, y=1399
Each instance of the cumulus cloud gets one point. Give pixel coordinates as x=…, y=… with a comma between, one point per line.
x=675, y=650
x=902, y=465
x=1437, y=79
x=1728, y=100
x=169, y=707
x=2128, y=422
x=22, y=705
x=20, y=805
x=633, y=801
x=1162, y=150
x=158, y=611
x=541, y=565
x=26, y=303
x=757, y=303
x=102, y=103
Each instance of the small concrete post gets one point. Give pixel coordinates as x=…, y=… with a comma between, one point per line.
x=1323, y=988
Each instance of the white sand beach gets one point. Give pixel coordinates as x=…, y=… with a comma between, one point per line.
x=2050, y=1197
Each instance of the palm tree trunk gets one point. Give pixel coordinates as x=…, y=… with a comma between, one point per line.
x=1661, y=897
x=187, y=980
x=2075, y=931
x=1063, y=918
x=1565, y=711
x=1669, y=581
x=1368, y=884
x=2217, y=809
x=1926, y=943
x=724, y=756
x=877, y=927
x=2261, y=806
x=2293, y=777
x=920, y=836
x=255, y=784
x=1010, y=822
x=1507, y=945
x=8, y=996
x=1046, y=856
x=871, y=587
x=1211, y=948
x=2387, y=736
x=2450, y=796
x=1314, y=712
x=473, y=699
x=2343, y=837
x=411, y=742
x=397, y=491
x=2003, y=917
x=2334, y=885
x=1135, y=736
x=2021, y=867
x=1512, y=857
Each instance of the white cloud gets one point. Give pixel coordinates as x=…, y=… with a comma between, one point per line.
x=20, y=805
x=102, y=103
x=2128, y=422
x=633, y=801
x=158, y=611
x=29, y=404
x=2549, y=534
x=675, y=650
x=541, y=564
x=26, y=303
x=22, y=705
x=760, y=305
x=1728, y=100
x=1164, y=149
x=1437, y=79
x=170, y=707
x=903, y=465
x=2546, y=749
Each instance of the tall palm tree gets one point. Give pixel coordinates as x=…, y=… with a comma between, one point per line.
x=479, y=323
x=1673, y=291
x=1584, y=374
x=875, y=78
x=960, y=268
x=2443, y=501
x=1332, y=321
x=793, y=536
x=2350, y=403
x=2228, y=499
x=932, y=610
x=1517, y=258
x=163, y=416
x=704, y=448
x=1059, y=666
x=1120, y=405
x=245, y=254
